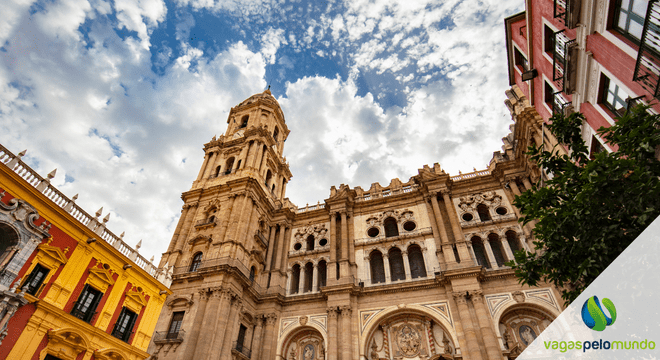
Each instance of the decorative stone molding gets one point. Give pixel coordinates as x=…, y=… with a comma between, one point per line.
x=271, y=318
x=518, y=296
x=332, y=312
x=469, y=203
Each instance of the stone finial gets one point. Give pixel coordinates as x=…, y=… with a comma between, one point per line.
x=22, y=153
x=12, y=164
x=52, y=174
x=99, y=212
x=74, y=198
x=139, y=245
x=106, y=218
x=122, y=234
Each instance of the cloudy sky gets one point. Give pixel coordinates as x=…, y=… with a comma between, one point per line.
x=120, y=96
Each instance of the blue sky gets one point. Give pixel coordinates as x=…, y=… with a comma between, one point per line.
x=120, y=96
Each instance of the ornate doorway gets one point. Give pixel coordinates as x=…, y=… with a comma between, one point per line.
x=305, y=343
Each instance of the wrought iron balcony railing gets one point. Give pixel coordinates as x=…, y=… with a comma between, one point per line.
x=568, y=11
x=559, y=104
x=647, y=67
x=564, y=61
x=169, y=337
x=241, y=349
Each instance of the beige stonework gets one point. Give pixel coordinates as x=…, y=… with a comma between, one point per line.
x=411, y=270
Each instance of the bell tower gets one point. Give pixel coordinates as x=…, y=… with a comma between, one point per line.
x=242, y=180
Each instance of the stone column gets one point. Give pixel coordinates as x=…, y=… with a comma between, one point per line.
x=346, y=329
x=301, y=280
x=256, y=336
x=280, y=247
x=208, y=326
x=386, y=266
x=344, y=245
x=406, y=264
x=197, y=325
x=286, y=246
x=226, y=214
x=262, y=167
x=203, y=168
x=209, y=165
x=332, y=333
x=190, y=216
x=227, y=343
x=268, y=336
x=468, y=328
x=283, y=192
x=438, y=218
x=367, y=267
x=507, y=249
x=456, y=228
x=177, y=231
x=434, y=223
x=351, y=239
x=271, y=248
x=486, y=325
x=288, y=282
x=249, y=158
x=221, y=322
x=315, y=278
x=332, y=265
x=489, y=254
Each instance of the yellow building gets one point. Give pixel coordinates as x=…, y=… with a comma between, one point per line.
x=69, y=288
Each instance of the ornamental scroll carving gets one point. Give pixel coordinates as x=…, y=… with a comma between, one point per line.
x=318, y=231
x=470, y=202
x=376, y=220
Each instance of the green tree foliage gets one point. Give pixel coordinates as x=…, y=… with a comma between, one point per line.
x=591, y=209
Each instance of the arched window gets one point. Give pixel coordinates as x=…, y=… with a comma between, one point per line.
x=322, y=270
x=496, y=247
x=253, y=273
x=238, y=165
x=275, y=133
x=217, y=170
x=8, y=237
x=309, y=276
x=484, y=215
x=244, y=121
x=397, y=271
x=269, y=175
x=377, y=267
x=480, y=252
x=228, y=165
x=416, y=260
x=512, y=239
x=196, y=262
x=391, y=228
x=310, y=242
x=295, y=278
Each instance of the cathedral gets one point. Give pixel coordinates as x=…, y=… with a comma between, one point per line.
x=407, y=270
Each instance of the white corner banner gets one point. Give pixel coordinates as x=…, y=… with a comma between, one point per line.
x=617, y=316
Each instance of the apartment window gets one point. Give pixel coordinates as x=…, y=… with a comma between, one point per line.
x=87, y=302
x=51, y=357
x=596, y=147
x=175, y=325
x=124, y=325
x=548, y=93
x=629, y=18
x=241, y=338
x=548, y=39
x=520, y=60
x=35, y=279
x=613, y=97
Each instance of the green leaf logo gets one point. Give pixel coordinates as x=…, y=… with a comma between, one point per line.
x=594, y=316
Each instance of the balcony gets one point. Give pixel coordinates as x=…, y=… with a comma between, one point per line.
x=560, y=105
x=240, y=350
x=647, y=67
x=568, y=11
x=262, y=238
x=564, y=62
x=164, y=337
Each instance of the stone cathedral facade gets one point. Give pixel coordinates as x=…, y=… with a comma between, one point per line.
x=410, y=270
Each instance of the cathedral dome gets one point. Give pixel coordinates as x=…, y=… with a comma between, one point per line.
x=266, y=95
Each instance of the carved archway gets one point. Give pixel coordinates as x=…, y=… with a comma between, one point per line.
x=304, y=343
x=411, y=333
x=520, y=324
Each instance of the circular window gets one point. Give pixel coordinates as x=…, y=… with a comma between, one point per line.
x=409, y=226
x=297, y=246
x=501, y=210
x=467, y=217
x=373, y=232
x=323, y=242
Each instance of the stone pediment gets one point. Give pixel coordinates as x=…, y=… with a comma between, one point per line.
x=177, y=301
x=100, y=278
x=109, y=354
x=200, y=239
x=52, y=256
x=135, y=301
